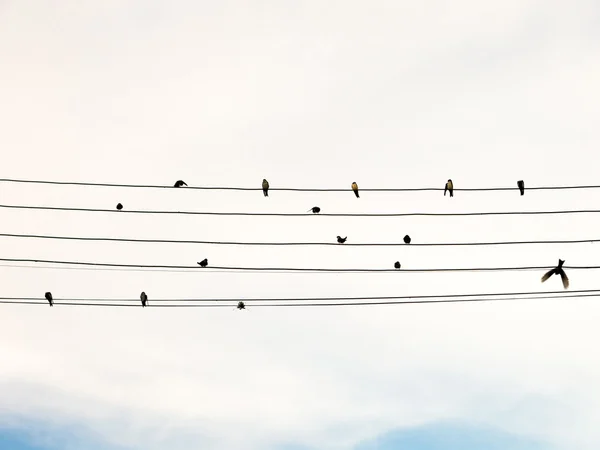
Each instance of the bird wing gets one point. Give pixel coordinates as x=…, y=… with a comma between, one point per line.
x=564, y=278
x=547, y=275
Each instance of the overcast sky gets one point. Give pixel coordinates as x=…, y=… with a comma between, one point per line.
x=309, y=94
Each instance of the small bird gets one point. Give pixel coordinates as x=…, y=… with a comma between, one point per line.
x=341, y=240
x=397, y=265
x=558, y=270
x=49, y=298
x=179, y=183
x=315, y=210
x=119, y=206
x=407, y=239
x=521, y=185
x=204, y=262
x=241, y=305
x=355, y=188
x=265, y=187
x=144, y=299
x=449, y=187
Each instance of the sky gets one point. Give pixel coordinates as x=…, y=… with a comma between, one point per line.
x=308, y=94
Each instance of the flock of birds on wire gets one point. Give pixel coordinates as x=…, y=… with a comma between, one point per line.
x=449, y=187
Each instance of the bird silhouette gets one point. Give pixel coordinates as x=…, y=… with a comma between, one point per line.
x=521, y=185
x=397, y=265
x=144, y=299
x=315, y=210
x=265, y=187
x=407, y=239
x=355, y=188
x=241, y=305
x=341, y=240
x=449, y=187
x=179, y=183
x=558, y=270
x=203, y=263
x=48, y=296
x=119, y=206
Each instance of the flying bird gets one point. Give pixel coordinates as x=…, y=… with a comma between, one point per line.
x=203, y=263
x=119, y=206
x=341, y=240
x=558, y=270
x=144, y=299
x=315, y=210
x=355, y=188
x=449, y=187
x=521, y=185
x=241, y=305
x=265, y=187
x=179, y=183
x=49, y=298
x=397, y=265
x=407, y=239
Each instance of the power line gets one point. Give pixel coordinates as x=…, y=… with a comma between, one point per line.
x=231, y=188
x=334, y=244
x=304, y=214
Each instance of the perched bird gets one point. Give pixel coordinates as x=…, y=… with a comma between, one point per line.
x=203, y=263
x=119, y=206
x=449, y=187
x=265, y=187
x=341, y=240
x=315, y=210
x=179, y=183
x=397, y=265
x=407, y=239
x=144, y=299
x=49, y=298
x=521, y=185
x=241, y=305
x=355, y=188
x=558, y=270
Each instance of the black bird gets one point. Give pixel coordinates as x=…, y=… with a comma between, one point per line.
x=179, y=183
x=407, y=239
x=241, y=305
x=265, y=187
x=355, y=188
x=449, y=187
x=315, y=210
x=521, y=185
x=49, y=298
x=119, y=206
x=397, y=265
x=204, y=262
x=341, y=240
x=144, y=299
x=558, y=270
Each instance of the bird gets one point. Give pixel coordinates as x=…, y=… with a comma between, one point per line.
x=341, y=240
x=558, y=270
x=397, y=265
x=265, y=187
x=449, y=187
x=407, y=239
x=179, y=183
x=144, y=299
x=204, y=262
x=355, y=188
x=315, y=210
x=49, y=298
x=521, y=185
x=119, y=206
x=241, y=305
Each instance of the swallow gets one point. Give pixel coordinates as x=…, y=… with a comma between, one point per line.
x=407, y=239
x=144, y=299
x=179, y=183
x=341, y=240
x=119, y=206
x=315, y=210
x=397, y=265
x=449, y=187
x=203, y=263
x=521, y=185
x=49, y=298
x=241, y=305
x=355, y=188
x=558, y=270
x=265, y=187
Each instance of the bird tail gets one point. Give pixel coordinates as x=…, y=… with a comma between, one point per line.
x=564, y=278
x=266, y=193
x=356, y=192
x=451, y=193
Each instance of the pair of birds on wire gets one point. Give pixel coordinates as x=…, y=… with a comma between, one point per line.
x=144, y=299
x=342, y=240
x=178, y=184
x=265, y=188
